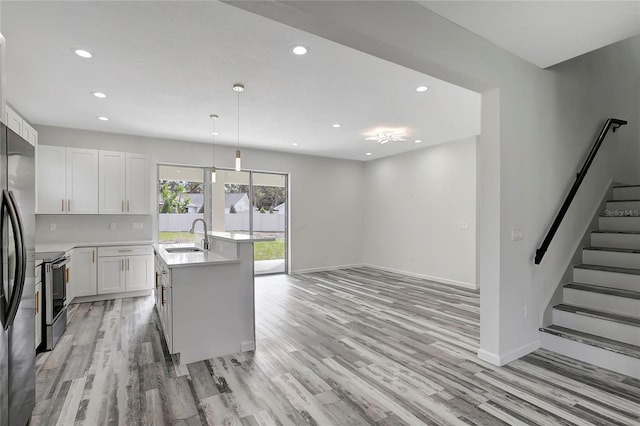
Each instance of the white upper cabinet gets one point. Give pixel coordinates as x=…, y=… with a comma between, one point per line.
x=112, y=182
x=67, y=180
x=137, y=184
x=51, y=179
x=20, y=126
x=14, y=121
x=124, y=183
x=82, y=181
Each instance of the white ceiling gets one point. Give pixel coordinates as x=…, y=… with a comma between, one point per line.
x=166, y=66
x=545, y=32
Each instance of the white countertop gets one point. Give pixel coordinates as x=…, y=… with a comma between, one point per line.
x=198, y=258
x=238, y=237
x=63, y=247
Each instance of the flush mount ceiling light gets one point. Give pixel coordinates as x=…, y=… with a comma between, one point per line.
x=418, y=141
x=299, y=50
x=238, y=88
x=368, y=154
x=103, y=118
x=82, y=53
x=214, y=118
x=295, y=144
x=422, y=89
x=336, y=125
x=99, y=95
x=383, y=137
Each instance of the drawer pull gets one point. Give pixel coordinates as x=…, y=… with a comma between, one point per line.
x=124, y=251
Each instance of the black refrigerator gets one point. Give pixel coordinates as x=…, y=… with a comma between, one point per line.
x=17, y=308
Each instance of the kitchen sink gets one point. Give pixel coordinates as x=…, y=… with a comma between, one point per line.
x=192, y=249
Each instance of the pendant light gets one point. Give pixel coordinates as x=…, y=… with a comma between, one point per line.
x=213, y=117
x=238, y=88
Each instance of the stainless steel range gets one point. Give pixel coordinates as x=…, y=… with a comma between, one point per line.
x=54, y=292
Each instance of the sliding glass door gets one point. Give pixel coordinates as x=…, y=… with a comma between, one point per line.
x=254, y=203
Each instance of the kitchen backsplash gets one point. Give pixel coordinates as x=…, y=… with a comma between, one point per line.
x=91, y=228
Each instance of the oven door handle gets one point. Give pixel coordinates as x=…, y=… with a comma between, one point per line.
x=60, y=264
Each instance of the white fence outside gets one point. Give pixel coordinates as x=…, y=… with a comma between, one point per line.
x=262, y=222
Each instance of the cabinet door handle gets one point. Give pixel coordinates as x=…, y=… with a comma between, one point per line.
x=67, y=277
x=128, y=268
x=127, y=205
x=69, y=205
x=122, y=206
x=37, y=302
x=62, y=204
x=162, y=298
x=93, y=256
x=122, y=264
x=157, y=277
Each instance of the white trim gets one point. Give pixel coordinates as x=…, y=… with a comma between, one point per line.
x=440, y=280
x=111, y=296
x=501, y=360
x=247, y=346
x=326, y=268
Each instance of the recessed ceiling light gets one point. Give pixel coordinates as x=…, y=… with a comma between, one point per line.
x=368, y=153
x=299, y=50
x=418, y=141
x=215, y=133
x=103, y=118
x=82, y=53
x=295, y=144
x=422, y=89
x=99, y=95
x=336, y=125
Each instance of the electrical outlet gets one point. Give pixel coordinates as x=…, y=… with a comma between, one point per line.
x=112, y=226
x=517, y=234
x=137, y=225
x=52, y=227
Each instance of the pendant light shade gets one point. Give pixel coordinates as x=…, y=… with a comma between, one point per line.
x=238, y=88
x=213, y=117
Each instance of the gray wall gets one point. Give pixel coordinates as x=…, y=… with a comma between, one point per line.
x=536, y=127
x=326, y=195
x=421, y=213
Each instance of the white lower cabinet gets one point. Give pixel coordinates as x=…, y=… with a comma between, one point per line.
x=111, y=275
x=125, y=268
x=84, y=277
x=164, y=303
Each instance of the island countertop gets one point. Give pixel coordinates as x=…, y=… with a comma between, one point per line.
x=197, y=258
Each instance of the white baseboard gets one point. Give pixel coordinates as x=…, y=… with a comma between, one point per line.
x=111, y=296
x=247, y=346
x=440, y=280
x=325, y=268
x=512, y=355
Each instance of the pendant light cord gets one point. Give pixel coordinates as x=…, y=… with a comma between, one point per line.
x=238, y=121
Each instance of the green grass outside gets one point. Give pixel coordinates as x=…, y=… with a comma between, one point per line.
x=265, y=250
x=175, y=237
x=268, y=250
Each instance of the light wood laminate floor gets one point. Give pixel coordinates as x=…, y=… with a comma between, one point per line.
x=348, y=347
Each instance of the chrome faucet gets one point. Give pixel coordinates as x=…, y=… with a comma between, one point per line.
x=205, y=240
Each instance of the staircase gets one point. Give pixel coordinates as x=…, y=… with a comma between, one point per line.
x=599, y=319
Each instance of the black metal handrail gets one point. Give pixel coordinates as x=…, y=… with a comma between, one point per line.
x=611, y=123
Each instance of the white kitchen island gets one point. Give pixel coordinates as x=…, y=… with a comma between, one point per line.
x=205, y=299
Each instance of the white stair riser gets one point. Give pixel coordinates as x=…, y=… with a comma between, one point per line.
x=607, y=279
x=627, y=241
x=611, y=258
x=623, y=206
x=604, y=302
x=612, y=223
x=627, y=193
x=599, y=327
x=602, y=358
